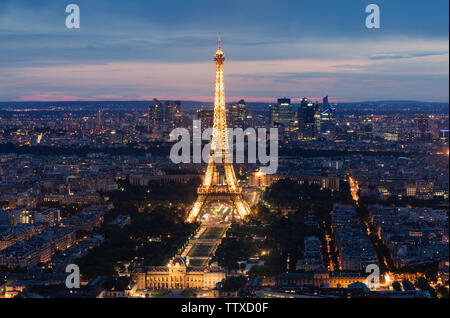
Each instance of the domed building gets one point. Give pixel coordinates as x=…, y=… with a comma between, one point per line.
x=178, y=274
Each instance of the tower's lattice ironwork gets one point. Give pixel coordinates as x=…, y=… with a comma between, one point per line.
x=229, y=190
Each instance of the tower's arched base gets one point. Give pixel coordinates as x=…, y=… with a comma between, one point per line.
x=239, y=206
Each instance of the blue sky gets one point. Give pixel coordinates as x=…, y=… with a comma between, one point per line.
x=144, y=49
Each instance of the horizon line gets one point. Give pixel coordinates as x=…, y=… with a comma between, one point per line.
x=234, y=100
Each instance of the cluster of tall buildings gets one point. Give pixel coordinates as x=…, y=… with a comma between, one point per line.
x=311, y=121
x=163, y=116
x=239, y=115
x=99, y=122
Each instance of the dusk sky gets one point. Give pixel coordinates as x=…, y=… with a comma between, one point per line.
x=140, y=50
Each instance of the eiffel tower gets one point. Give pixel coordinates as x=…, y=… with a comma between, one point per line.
x=229, y=190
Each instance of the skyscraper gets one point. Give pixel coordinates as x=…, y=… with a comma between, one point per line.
x=309, y=119
x=240, y=116
x=206, y=117
x=326, y=104
x=328, y=119
x=173, y=112
x=282, y=113
x=100, y=120
x=155, y=115
x=365, y=131
x=422, y=127
x=118, y=120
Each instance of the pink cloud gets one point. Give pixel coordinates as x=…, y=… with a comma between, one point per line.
x=52, y=97
x=109, y=96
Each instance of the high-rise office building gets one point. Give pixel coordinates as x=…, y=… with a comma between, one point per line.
x=282, y=113
x=365, y=131
x=317, y=121
x=118, y=120
x=206, y=117
x=240, y=116
x=155, y=115
x=309, y=119
x=100, y=120
x=173, y=110
x=325, y=104
x=422, y=127
x=173, y=113
x=328, y=119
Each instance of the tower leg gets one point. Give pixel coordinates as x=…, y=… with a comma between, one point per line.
x=241, y=207
x=196, y=209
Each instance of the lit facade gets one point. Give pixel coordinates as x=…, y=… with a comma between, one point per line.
x=320, y=277
x=178, y=274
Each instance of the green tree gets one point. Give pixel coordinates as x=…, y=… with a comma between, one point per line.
x=232, y=284
x=261, y=271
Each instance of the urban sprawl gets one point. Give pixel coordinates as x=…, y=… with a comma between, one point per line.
x=93, y=185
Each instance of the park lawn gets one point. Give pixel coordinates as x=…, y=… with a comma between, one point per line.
x=213, y=233
x=200, y=250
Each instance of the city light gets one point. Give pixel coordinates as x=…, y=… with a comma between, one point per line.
x=354, y=189
x=310, y=164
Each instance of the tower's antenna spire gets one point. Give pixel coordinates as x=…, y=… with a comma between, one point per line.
x=220, y=42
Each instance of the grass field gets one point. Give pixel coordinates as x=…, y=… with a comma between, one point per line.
x=204, y=250
x=199, y=250
x=213, y=233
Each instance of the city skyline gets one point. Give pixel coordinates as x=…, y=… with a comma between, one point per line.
x=119, y=180
x=136, y=53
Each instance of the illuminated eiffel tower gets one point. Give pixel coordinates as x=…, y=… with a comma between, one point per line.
x=228, y=191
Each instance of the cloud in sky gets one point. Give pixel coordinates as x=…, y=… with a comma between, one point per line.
x=406, y=56
x=155, y=49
